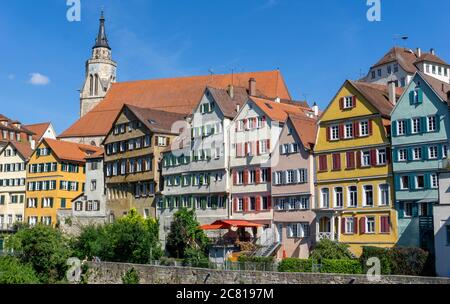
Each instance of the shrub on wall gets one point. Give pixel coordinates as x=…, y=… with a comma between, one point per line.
x=257, y=263
x=131, y=277
x=376, y=252
x=326, y=249
x=295, y=265
x=341, y=266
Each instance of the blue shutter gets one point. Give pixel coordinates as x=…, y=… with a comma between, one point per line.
x=409, y=154
x=394, y=129
x=438, y=123
x=395, y=155
x=440, y=150
x=427, y=183
x=408, y=126
x=425, y=155
x=411, y=97
x=412, y=182
x=401, y=210
x=397, y=182
x=423, y=125
x=420, y=92
x=415, y=210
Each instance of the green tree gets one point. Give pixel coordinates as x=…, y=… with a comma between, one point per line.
x=45, y=249
x=326, y=249
x=13, y=272
x=131, y=239
x=186, y=239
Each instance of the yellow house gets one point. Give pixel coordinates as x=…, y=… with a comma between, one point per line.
x=354, y=171
x=55, y=176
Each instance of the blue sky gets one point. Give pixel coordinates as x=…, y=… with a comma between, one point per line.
x=316, y=44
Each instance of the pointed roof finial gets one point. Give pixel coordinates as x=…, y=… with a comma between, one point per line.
x=102, y=40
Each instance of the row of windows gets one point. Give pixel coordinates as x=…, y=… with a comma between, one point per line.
x=197, y=202
x=129, y=145
x=138, y=190
x=12, y=182
x=252, y=176
x=251, y=124
x=252, y=204
x=199, y=179
x=417, y=125
x=350, y=130
x=255, y=148
x=389, y=69
x=292, y=203
x=14, y=136
x=43, y=152
x=51, y=185
x=336, y=198
x=366, y=225
x=298, y=230
x=207, y=107
x=207, y=130
x=39, y=168
x=433, y=152
x=417, y=181
x=122, y=128
x=17, y=167
x=436, y=70
x=129, y=166
x=289, y=148
x=14, y=199
x=34, y=220
x=358, y=159
x=290, y=177
x=9, y=219
x=45, y=202
x=90, y=206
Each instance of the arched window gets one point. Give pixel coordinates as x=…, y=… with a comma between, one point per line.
x=91, y=85
x=96, y=85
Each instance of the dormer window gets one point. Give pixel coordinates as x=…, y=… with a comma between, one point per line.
x=373, y=75
x=347, y=102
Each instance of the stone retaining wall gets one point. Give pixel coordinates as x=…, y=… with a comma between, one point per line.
x=111, y=273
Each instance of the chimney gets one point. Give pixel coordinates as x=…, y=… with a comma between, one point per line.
x=252, y=87
x=315, y=109
x=392, y=92
x=231, y=91
x=278, y=100
x=419, y=52
x=33, y=144
x=432, y=52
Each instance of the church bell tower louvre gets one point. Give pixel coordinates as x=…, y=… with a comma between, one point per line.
x=100, y=72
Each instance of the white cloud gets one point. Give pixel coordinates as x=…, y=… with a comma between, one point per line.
x=39, y=79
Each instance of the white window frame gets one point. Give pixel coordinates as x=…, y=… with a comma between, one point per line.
x=334, y=132
x=381, y=196
x=324, y=191
x=349, y=199
x=415, y=125
x=417, y=153
x=380, y=153
x=402, y=152
x=336, y=197
x=434, y=181
x=348, y=102
x=364, y=128
x=416, y=181
x=433, y=152
x=431, y=124
x=371, y=224
x=365, y=197
x=349, y=225
x=348, y=131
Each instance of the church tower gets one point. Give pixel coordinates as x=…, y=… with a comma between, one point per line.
x=100, y=72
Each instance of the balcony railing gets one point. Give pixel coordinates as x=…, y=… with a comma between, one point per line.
x=327, y=236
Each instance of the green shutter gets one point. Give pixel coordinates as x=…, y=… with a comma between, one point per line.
x=394, y=128
x=438, y=123
x=401, y=210
x=423, y=125
x=420, y=92
x=415, y=210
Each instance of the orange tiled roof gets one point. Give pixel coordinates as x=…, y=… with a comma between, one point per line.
x=179, y=95
x=23, y=148
x=306, y=128
x=38, y=129
x=278, y=111
x=71, y=151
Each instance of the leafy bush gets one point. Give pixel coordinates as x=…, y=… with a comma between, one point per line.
x=399, y=261
x=13, y=272
x=185, y=234
x=341, y=266
x=131, y=239
x=256, y=262
x=376, y=252
x=195, y=258
x=131, y=277
x=327, y=249
x=45, y=249
x=296, y=265
x=165, y=261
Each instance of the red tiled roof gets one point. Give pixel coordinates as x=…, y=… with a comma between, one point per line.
x=38, y=130
x=306, y=129
x=179, y=95
x=24, y=149
x=278, y=111
x=71, y=151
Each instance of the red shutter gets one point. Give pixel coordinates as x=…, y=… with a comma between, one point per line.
x=362, y=226
x=383, y=224
x=343, y=225
x=235, y=177
x=245, y=124
x=246, y=149
x=358, y=159
x=354, y=101
x=355, y=224
x=351, y=160
x=257, y=176
x=245, y=200
x=268, y=145
x=337, y=161
x=341, y=131
x=356, y=129
x=323, y=163
x=370, y=127
x=238, y=150
x=373, y=157
x=269, y=202
x=388, y=224
x=269, y=175
x=341, y=103
x=245, y=177
x=257, y=148
x=328, y=133
x=258, y=203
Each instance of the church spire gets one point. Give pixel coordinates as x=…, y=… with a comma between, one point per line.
x=102, y=40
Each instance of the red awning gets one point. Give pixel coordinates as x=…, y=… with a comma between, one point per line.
x=227, y=224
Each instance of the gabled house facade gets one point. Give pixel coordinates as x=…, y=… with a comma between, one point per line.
x=133, y=150
x=354, y=172
x=13, y=159
x=293, y=194
x=253, y=135
x=420, y=142
x=55, y=176
x=196, y=166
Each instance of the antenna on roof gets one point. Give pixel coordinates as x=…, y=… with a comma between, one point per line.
x=211, y=72
x=404, y=38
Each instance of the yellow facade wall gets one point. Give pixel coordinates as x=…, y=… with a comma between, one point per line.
x=58, y=195
x=359, y=177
